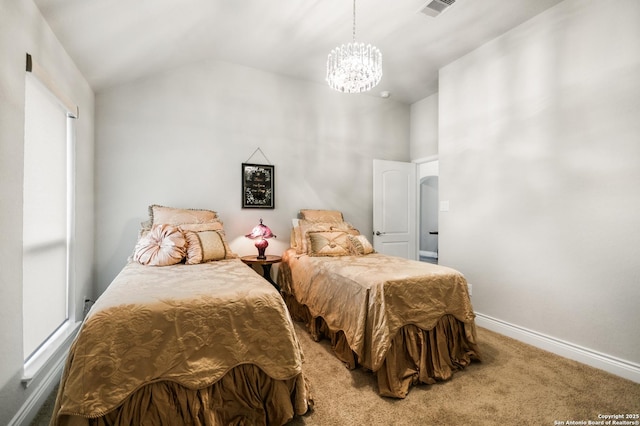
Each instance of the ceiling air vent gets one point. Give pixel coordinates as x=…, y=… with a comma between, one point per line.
x=436, y=7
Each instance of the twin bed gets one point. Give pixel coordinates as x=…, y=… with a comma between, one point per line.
x=409, y=322
x=188, y=334
x=185, y=334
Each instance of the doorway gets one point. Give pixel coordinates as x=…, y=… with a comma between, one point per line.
x=395, y=208
x=428, y=176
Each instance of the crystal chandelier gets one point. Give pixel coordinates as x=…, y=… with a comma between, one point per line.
x=354, y=67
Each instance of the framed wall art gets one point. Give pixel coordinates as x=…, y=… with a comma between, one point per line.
x=258, y=186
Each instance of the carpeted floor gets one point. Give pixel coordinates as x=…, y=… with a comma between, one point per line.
x=515, y=384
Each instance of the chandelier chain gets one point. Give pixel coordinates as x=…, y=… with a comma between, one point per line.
x=354, y=21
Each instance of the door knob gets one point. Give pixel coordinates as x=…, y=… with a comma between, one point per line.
x=378, y=233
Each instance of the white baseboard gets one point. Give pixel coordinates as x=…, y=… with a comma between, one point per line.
x=613, y=365
x=433, y=254
x=45, y=379
x=43, y=388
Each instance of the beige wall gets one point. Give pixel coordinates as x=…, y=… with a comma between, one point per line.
x=22, y=30
x=540, y=162
x=179, y=139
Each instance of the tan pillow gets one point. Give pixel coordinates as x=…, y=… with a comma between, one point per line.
x=199, y=227
x=329, y=243
x=194, y=248
x=295, y=233
x=173, y=216
x=223, y=237
x=207, y=245
x=360, y=245
x=306, y=226
x=163, y=245
x=293, y=241
x=321, y=215
x=213, y=246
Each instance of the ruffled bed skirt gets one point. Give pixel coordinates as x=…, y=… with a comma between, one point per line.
x=244, y=396
x=415, y=356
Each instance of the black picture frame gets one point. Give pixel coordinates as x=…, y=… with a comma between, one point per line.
x=258, y=186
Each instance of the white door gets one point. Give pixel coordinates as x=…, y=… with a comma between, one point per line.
x=394, y=208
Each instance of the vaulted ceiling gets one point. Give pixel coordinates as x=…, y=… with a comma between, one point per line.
x=114, y=41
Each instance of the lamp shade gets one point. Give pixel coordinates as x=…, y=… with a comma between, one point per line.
x=260, y=231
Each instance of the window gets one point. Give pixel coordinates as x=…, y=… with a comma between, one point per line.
x=47, y=217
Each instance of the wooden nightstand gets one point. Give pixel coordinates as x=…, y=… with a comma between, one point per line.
x=266, y=265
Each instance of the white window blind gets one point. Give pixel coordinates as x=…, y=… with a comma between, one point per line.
x=46, y=215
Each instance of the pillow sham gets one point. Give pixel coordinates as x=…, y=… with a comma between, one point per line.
x=146, y=225
x=328, y=243
x=163, y=245
x=321, y=215
x=360, y=245
x=199, y=227
x=295, y=233
x=174, y=216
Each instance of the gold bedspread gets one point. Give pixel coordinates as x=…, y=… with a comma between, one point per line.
x=370, y=298
x=184, y=324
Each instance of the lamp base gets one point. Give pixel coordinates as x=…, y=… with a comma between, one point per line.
x=262, y=245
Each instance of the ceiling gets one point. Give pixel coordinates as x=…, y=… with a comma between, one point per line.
x=115, y=41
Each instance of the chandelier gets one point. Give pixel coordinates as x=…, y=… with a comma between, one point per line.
x=354, y=67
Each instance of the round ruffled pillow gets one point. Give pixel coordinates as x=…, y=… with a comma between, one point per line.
x=164, y=245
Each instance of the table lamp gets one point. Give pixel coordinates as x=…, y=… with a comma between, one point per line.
x=261, y=232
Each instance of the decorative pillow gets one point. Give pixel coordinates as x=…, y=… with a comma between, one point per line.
x=173, y=216
x=194, y=248
x=213, y=246
x=360, y=244
x=321, y=215
x=209, y=243
x=306, y=226
x=163, y=245
x=230, y=254
x=329, y=243
x=143, y=232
